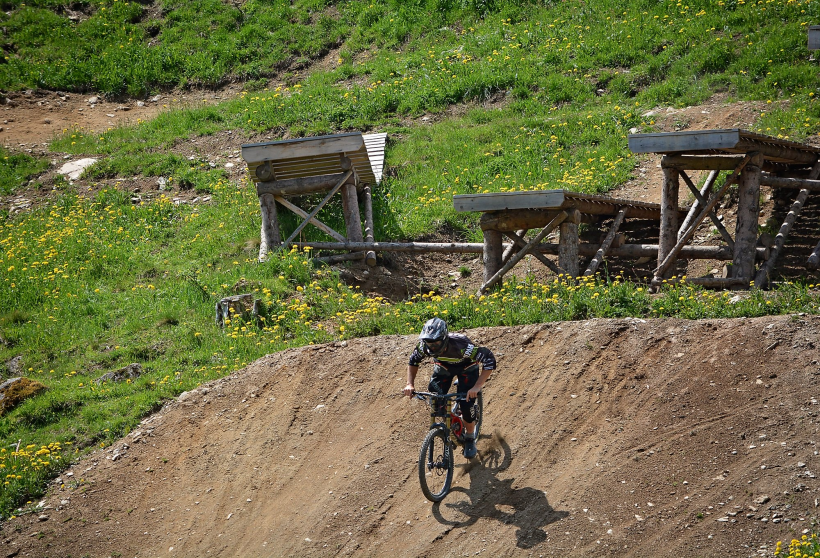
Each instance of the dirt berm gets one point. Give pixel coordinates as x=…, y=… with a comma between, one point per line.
x=603, y=437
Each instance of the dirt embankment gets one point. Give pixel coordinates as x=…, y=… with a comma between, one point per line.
x=612, y=437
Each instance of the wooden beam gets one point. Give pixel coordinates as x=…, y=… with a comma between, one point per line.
x=633, y=251
x=269, y=235
x=568, y=240
x=350, y=208
x=370, y=258
x=511, y=248
x=521, y=243
x=610, y=236
x=797, y=183
x=814, y=260
x=299, y=186
x=687, y=236
x=668, y=232
x=302, y=147
x=693, y=211
x=492, y=252
x=509, y=200
x=314, y=221
x=776, y=151
x=316, y=209
x=748, y=207
x=712, y=215
x=338, y=258
x=703, y=162
x=523, y=219
x=524, y=251
x=763, y=277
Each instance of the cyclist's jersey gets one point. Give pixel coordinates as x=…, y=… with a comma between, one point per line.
x=460, y=353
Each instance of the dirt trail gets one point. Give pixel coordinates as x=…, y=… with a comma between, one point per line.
x=613, y=437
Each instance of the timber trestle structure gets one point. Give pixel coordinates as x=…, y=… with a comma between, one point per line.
x=512, y=214
x=751, y=160
x=346, y=163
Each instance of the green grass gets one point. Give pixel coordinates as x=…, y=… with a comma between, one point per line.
x=517, y=95
x=16, y=169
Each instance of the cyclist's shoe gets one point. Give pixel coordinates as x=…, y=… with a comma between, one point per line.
x=470, y=450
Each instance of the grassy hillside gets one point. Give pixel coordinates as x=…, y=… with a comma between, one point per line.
x=545, y=95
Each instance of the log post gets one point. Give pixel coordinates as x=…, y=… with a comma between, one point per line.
x=270, y=237
x=492, y=253
x=350, y=207
x=370, y=257
x=568, y=257
x=511, y=249
x=748, y=206
x=610, y=236
x=669, y=215
x=521, y=253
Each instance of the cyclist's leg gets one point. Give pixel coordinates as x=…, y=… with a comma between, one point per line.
x=440, y=383
x=466, y=380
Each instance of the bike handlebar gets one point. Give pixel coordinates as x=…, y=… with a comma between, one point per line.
x=456, y=396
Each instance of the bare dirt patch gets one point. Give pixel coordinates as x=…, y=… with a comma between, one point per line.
x=605, y=437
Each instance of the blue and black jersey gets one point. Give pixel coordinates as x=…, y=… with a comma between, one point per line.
x=460, y=353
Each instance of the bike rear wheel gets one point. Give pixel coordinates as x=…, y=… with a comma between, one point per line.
x=436, y=465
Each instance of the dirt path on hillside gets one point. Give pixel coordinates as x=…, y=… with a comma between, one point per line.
x=605, y=437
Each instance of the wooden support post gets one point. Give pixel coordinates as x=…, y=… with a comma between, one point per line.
x=700, y=201
x=270, y=226
x=521, y=253
x=370, y=257
x=568, y=258
x=672, y=255
x=510, y=250
x=353, y=219
x=492, y=253
x=748, y=207
x=814, y=260
x=763, y=277
x=322, y=203
x=519, y=241
x=704, y=192
x=669, y=214
x=610, y=236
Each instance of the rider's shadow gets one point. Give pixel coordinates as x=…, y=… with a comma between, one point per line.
x=488, y=496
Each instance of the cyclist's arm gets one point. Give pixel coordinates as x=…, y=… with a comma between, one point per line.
x=411, y=379
x=482, y=379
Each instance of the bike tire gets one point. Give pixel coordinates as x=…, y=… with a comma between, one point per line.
x=480, y=411
x=436, y=462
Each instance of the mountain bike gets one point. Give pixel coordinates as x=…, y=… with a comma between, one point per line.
x=436, y=459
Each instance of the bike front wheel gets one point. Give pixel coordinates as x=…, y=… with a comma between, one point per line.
x=436, y=465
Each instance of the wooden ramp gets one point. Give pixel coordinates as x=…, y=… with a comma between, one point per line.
x=350, y=163
x=751, y=160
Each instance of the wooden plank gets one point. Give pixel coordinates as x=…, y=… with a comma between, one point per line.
x=508, y=200
x=814, y=37
x=712, y=215
x=303, y=147
x=692, y=140
x=523, y=252
x=610, y=236
x=701, y=162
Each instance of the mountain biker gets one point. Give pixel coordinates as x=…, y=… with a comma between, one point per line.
x=454, y=355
